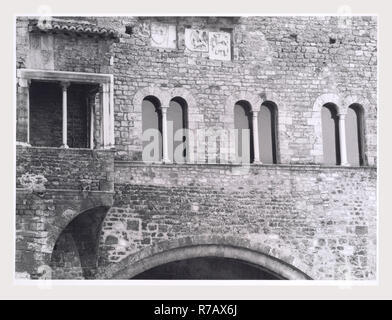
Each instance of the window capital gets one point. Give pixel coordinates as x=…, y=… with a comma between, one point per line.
x=65, y=85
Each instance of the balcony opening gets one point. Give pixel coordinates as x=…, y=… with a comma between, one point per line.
x=46, y=114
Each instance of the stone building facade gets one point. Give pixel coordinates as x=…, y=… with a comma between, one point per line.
x=303, y=206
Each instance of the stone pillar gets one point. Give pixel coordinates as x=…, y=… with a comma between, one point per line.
x=165, y=157
x=111, y=112
x=92, y=121
x=23, y=112
x=342, y=142
x=64, y=86
x=255, y=132
x=105, y=114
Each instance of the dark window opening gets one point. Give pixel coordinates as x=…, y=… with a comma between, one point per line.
x=267, y=125
x=330, y=132
x=46, y=115
x=177, y=115
x=243, y=123
x=208, y=268
x=75, y=253
x=128, y=30
x=152, y=119
x=294, y=37
x=355, y=135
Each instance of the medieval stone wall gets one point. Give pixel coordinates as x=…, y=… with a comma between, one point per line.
x=291, y=61
x=288, y=60
x=54, y=186
x=325, y=216
x=322, y=219
x=72, y=169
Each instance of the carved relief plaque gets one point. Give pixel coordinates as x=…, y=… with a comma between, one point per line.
x=163, y=35
x=196, y=40
x=219, y=46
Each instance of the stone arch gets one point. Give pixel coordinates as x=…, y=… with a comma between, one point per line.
x=254, y=102
x=328, y=98
x=156, y=92
x=315, y=121
x=194, y=118
x=370, y=123
x=68, y=212
x=283, y=119
x=363, y=105
x=159, y=94
x=272, y=137
x=253, y=99
x=353, y=99
x=277, y=261
x=82, y=231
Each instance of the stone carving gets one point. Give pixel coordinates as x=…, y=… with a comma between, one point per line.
x=69, y=214
x=196, y=40
x=85, y=185
x=163, y=35
x=219, y=46
x=143, y=29
x=33, y=182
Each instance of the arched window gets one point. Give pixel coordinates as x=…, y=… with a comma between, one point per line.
x=355, y=135
x=244, y=140
x=267, y=132
x=152, y=121
x=177, y=122
x=330, y=130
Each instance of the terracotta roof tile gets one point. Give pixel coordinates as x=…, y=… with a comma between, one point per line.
x=69, y=26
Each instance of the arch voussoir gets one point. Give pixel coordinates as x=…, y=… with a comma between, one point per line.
x=203, y=246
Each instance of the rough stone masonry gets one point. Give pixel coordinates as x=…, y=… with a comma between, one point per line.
x=95, y=210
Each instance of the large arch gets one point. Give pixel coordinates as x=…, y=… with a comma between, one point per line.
x=208, y=268
x=76, y=247
x=204, y=246
x=68, y=211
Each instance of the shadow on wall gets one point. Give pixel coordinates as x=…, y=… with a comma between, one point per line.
x=75, y=253
x=208, y=268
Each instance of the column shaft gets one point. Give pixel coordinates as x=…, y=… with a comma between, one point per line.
x=255, y=132
x=342, y=142
x=23, y=112
x=64, y=86
x=165, y=157
x=105, y=101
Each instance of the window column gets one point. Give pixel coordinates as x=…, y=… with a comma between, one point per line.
x=255, y=133
x=342, y=142
x=64, y=86
x=165, y=157
x=23, y=112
